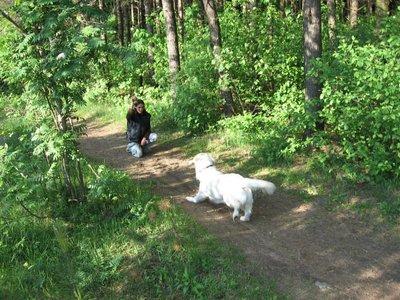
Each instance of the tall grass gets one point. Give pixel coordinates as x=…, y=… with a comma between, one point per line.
x=122, y=242
x=148, y=250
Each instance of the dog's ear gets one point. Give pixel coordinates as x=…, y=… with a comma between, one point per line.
x=197, y=158
x=210, y=158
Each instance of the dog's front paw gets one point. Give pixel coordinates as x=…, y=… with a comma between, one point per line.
x=245, y=218
x=191, y=199
x=235, y=216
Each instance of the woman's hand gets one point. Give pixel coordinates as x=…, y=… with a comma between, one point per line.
x=143, y=141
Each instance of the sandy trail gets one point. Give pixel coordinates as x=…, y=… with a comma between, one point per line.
x=309, y=252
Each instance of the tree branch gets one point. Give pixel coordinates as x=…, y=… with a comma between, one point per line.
x=7, y=17
x=31, y=213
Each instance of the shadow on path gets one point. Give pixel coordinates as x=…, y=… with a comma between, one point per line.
x=309, y=252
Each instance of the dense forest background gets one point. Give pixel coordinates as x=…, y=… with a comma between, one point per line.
x=288, y=77
x=236, y=65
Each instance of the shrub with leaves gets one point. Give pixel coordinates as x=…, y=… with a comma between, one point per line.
x=360, y=107
x=197, y=104
x=113, y=194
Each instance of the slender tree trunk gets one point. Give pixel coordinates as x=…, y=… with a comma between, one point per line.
x=282, y=5
x=332, y=22
x=216, y=45
x=353, y=14
x=142, y=18
x=105, y=67
x=370, y=5
x=134, y=13
x=82, y=186
x=120, y=22
x=127, y=23
x=181, y=21
x=312, y=50
x=172, y=42
x=158, y=9
x=252, y=5
x=296, y=6
x=148, y=9
x=381, y=11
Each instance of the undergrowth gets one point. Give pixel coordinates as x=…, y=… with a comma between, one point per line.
x=121, y=242
x=302, y=175
x=239, y=147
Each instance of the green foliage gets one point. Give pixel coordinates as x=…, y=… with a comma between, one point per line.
x=158, y=104
x=266, y=78
x=50, y=247
x=112, y=194
x=46, y=72
x=178, y=264
x=391, y=209
x=197, y=105
x=259, y=67
x=360, y=108
x=275, y=133
x=23, y=182
x=120, y=242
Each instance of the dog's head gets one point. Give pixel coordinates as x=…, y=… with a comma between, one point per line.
x=202, y=161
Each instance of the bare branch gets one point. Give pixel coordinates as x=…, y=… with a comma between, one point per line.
x=7, y=17
x=31, y=213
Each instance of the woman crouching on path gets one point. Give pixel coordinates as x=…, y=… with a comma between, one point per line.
x=138, y=128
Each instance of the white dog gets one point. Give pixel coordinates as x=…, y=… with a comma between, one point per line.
x=232, y=189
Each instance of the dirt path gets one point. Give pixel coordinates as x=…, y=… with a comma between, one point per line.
x=310, y=253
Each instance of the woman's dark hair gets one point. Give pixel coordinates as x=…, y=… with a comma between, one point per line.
x=132, y=111
x=137, y=102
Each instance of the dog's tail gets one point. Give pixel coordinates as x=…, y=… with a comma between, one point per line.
x=263, y=185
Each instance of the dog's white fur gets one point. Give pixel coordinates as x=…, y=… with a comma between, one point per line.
x=232, y=189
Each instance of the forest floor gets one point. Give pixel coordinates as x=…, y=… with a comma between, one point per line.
x=309, y=252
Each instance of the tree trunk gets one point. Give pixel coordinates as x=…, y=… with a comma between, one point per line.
x=216, y=46
x=148, y=9
x=312, y=50
x=370, y=5
x=127, y=23
x=16, y=24
x=105, y=67
x=353, y=14
x=120, y=21
x=181, y=21
x=134, y=13
x=282, y=6
x=381, y=11
x=142, y=19
x=252, y=5
x=332, y=22
x=157, y=10
x=172, y=41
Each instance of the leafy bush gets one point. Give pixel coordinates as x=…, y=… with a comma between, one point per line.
x=51, y=247
x=112, y=194
x=267, y=81
x=275, y=134
x=197, y=104
x=259, y=67
x=360, y=108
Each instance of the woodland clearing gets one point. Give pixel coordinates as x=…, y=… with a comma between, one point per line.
x=309, y=252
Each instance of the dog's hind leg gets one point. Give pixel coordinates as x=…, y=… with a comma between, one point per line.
x=248, y=206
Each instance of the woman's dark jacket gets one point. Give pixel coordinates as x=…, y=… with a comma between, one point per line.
x=138, y=125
